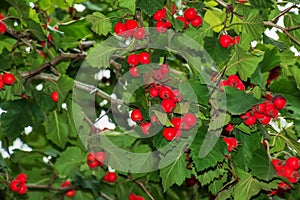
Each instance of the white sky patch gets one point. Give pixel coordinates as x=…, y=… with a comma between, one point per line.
x=16, y=24
x=39, y=87
x=130, y=121
x=103, y=122
x=79, y=7
x=27, y=130
x=3, y=151
x=103, y=103
x=280, y=124
x=64, y=106
x=281, y=8
x=2, y=111
x=272, y=33
x=27, y=49
x=253, y=43
x=46, y=159
x=103, y=73
x=31, y=4
x=294, y=50
x=18, y=144
x=127, y=42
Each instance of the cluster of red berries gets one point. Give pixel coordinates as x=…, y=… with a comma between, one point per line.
x=227, y=41
x=2, y=24
x=190, y=16
x=233, y=81
x=169, y=98
x=95, y=159
x=264, y=112
x=70, y=193
x=288, y=169
x=110, y=177
x=134, y=59
x=231, y=143
x=133, y=196
x=6, y=79
x=19, y=184
x=129, y=29
x=54, y=96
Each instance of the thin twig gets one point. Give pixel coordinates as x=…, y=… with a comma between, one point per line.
x=145, y=189
x=49, y=187
x=275, y=19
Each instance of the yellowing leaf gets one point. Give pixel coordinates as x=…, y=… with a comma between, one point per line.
x=215, y=17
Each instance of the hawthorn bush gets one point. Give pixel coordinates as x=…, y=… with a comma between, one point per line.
x=138, y=99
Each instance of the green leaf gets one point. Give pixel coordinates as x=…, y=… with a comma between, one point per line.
x=210, y=175
x=56, y=127
x=162, y=117
x=244, y=64
x=150, y=7
x=20, y=114
x=295, y=71
x=69, y=160
x=262, y=4
x=219, y=54
x=261, y=166
x=100, y=23
x=6, y=42
x=292, y=20
x=279, y=144
x=175, y=173
x=130, y=4
x=217, y=185
x=36, y=29
x=215, y=17
x=279, y=45
x=22, y=7
x=239, y=105
x=252, y=25
x=64, y=85
x=271, y=59
x=248, y=186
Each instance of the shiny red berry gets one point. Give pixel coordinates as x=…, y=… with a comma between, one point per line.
x=8, y=78
x=169, y=133
x=145, y=127
x=136, y=115
x=176, y=121
x=1, y=84
x=120, y=28
x=22, y=178
x=131, y=24
x=2, y=27
x=279, y=102
x=22, y=189
x=153, y=92
x=134, y=71
x=15, y=185
x=190, y=14
x=293, y=162
x=189, y=119
x=197, y=22
x=161, y=27
x=186, y=23
x=54, y=96
x=133, y=59
x=168, y=105
x=70, y=193
x=160, y=15
x=225, y=40
x=144, y=58
x=139, y=33
x=250, y=121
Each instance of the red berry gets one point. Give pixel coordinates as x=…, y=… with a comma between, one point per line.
x=229, y=127
x=159, y=15
x=225, y=41
x=70, y=193
x=279, y=102
x=1, y=16
x=250, y=121
x=186, y=23
x=132, y=196
x=161, y=27
x=176, y=122
x=153, y=92
x=136, y=115
x=191, y=181
x=15, y=185
x=2, y=27
x=144, y=58
x=168, y=105
x=223, y=83
x=190, y=14
x=271, y=110
x=165, y=92
x=50, y=38
x=197, y=22
x=231, y=143
x=111, y=177
x=22, y=178
x=133, y=59
x=100, y=156
x=139, y=33
x=120, y=28
x=246, y=115
x=169, y=133
x=259, y=108
x=134, y=71
x=145, y=127
x=1, y=84
x=176, y=96
x=265, y=120
x=286, y=171
x=277, y=164
x=65, y=184
x=233, y=80
x=22, y=189
x=131, y=24
x=236, y=40
x=189, y=119
x=242, y=1
x=91, y=161
x=54, y=96
x=293, y=162
x=168, y=24
x=8, y=78
x=41, y=53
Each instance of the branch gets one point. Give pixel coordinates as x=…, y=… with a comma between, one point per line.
x=222, y=3
x=275, y=19
x=269, y=23
x=145, y=189
x=82, y=86
x=49, y=187
x=292, y=28
x=54, y=61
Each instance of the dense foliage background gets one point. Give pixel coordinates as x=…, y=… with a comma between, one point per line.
x=45, y=44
